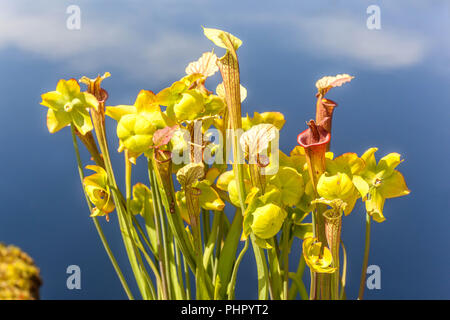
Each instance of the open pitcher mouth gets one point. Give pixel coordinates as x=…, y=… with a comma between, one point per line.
x=314, y=137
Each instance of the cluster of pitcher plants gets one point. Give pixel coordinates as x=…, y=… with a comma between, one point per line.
x=216, y=180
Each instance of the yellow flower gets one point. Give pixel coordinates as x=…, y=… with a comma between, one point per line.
x=338, y=186
x=291, y=185
x=68, y=105
x=274, y=118
x=384, y=181
x=189, y=106
x=137, y=123
x=317, y=257
x=135, y=133
x=343, y=180
x=209, y=199
x=142, y=201
x=267, y=220
x=98, y=191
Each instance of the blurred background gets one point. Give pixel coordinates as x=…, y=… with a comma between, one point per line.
x=398, y=102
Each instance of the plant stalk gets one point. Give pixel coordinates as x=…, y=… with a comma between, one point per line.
x=362, y=283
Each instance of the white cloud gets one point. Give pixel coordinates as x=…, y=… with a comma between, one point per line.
x=99, y=44
x=348, y=37
x=335, y=35
x=160, y=47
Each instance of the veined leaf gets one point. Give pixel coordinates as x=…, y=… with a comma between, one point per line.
x=222, y=39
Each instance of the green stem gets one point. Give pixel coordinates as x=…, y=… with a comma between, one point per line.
x=228, y=254
x=151, y=288
x=149, y=260
x=219, y=243
x=179, y=271
x=209, y=247
x=175, y=284
x=299, y=284
x=362, y=283
x=146, y=240
x=285, y=251
x=97, y=224
x=299, y=277
x=262, y=270
x=174, y=217
x=153, y=267
x=165, y=238
x=124, y=224
x=275, y=271
x=159, y=241
x=206, y=223
x=344, y=273
x=187, y=279
x=232, y=284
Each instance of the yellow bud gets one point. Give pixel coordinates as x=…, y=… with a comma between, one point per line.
x=190, y=106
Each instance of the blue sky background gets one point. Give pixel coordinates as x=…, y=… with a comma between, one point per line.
x=399, y=102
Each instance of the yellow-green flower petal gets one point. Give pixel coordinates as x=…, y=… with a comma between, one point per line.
x=394, y=186
x=383, y=180
x=68, y=87
x=213, y=105
x=181, y=202
x=98, y=191
x=209, y=199
x=361, y=185
x=317, y=257
x=233, y=191
x=369, y=159
x=146, y=102
x=69, y=105
x=267, y=220
x=375, y=204
x=135, y=132
x=189, y=106
x=348, y=163
x=141, y=199
x=274, y=118
x=53, y=100
x=387, y=164
x=303, y=230
x=82, y=120
x=338, y=186
x=291, y=185
x=119, y=111
x=56, y=120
